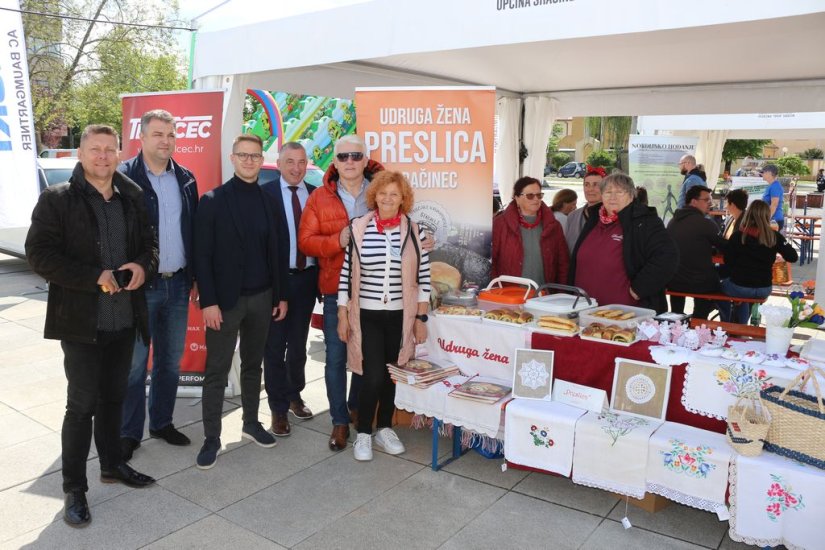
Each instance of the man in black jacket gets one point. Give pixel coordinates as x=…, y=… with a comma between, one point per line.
x=286, y=346
x=90, y=239
x=171, y=196
x=242, y=281
x=696, y=236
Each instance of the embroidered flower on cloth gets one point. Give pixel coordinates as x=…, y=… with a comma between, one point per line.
x=541, y=438
x=684, y=459
x=780, y=498
x=741, y=380
x=616, y=425
x=533, y=374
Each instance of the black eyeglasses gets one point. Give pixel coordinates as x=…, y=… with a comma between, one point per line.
x=531, y=196
x=356, y=156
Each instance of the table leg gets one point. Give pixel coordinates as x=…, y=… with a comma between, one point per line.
x=457, y=452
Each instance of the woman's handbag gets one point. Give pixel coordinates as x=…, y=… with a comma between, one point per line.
x=748, y=423
x=798, y=420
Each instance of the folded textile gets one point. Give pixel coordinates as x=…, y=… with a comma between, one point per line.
x=611, y=451
x=689, y=466
x=540, y=434
x=775, y=500
x=427, y=401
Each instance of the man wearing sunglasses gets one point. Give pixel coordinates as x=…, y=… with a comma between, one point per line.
x=242, y=278
x=324, y=234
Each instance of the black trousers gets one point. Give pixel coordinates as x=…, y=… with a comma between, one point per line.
x=250, y=318
x=381, y=342
x=96, y=375
x=701, y=308
x=285, y=357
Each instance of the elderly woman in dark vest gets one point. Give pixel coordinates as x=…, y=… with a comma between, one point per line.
x=624, y=255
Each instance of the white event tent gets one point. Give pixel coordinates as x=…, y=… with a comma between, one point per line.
x=554, y=58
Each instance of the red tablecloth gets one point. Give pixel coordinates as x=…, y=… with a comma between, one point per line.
x=592, y=364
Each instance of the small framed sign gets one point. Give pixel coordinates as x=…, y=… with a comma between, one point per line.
x=640, y=388
x=533, y=374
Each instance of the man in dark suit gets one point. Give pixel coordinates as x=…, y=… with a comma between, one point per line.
x=242, y=280
x=286, y=347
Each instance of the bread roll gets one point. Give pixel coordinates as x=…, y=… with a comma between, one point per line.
x=557, y=323
x=445, y=274
x=625, y=336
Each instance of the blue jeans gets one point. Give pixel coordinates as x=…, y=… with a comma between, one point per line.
x=742, y=311
x=168, y=304
x=335, y=371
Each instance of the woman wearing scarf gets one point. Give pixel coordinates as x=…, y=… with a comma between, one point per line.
x=527, y=240
x=749, y=259
x=383, y=296
x=624, y=254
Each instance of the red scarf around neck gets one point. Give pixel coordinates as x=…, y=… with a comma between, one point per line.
x=606, y=218
x=528, y=225
x=381, y=225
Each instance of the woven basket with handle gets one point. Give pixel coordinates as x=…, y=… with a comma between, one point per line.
x=798, y=420
x=748, y=424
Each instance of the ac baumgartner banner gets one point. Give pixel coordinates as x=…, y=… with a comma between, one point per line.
x=442, y=140
x=18, y=155
x=198, y=117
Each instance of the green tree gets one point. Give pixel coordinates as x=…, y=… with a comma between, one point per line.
x=611, y=131
x=735, y=149
x=559, y=159
x=792, y=165
x=602, y=158
x=64, y=39
x=812, y=154
x=123, y=68
x=553, y=142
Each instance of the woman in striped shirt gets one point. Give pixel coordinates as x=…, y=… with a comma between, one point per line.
x=383, y=296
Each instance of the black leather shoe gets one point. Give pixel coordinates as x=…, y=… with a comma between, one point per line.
x=127, y=448
x=126, y=475
x=170, y=435
x=76, y=509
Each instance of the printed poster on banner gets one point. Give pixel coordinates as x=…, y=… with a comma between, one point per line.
x=654, y=165
x=442, y=140
x=198, y=117
x=18, y=152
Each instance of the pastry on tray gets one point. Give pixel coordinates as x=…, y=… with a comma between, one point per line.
x=593, y=330
x=557, y=323
x=625, y=336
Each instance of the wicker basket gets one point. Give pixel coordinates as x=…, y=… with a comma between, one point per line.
x=798, y=427
x=748, y=423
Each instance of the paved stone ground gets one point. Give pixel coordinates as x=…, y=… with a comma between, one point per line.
x=296, y=495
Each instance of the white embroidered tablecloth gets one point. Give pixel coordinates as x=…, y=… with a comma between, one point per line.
x=483, y=418
x=540, y=434
x=689, y=465
x=713, y=384
x=610, y=452
x=775, y=500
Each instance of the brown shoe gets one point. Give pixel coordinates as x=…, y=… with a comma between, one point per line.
x=280, y=424
x=338, y=439
x=353, y=417
x=300, y=410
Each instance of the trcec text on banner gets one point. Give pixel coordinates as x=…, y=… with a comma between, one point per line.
x=198, y=115
x=18, y=151
x=442, y=140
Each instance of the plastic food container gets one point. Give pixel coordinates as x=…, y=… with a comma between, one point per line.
x=498, y=296
x=467, y=298
x=587, y=317
x=560, y=305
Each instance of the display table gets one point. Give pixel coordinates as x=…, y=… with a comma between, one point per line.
x=591, y=364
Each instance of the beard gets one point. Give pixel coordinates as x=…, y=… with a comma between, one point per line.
x=684, y=171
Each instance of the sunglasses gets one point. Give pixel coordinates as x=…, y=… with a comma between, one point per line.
x=356, y=156
x=531, y=196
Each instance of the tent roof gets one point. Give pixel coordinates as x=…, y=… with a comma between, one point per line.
x=570, y=48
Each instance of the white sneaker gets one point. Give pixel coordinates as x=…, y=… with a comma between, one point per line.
x=387, y=439
x=363, y=447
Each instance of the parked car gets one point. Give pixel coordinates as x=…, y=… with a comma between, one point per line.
x=315, y=176
x=572, y=170
x=51, y=171
x=549, y=170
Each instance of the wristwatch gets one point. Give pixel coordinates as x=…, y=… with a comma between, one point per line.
x=423, y=318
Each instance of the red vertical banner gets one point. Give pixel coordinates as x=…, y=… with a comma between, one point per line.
x=198, y=117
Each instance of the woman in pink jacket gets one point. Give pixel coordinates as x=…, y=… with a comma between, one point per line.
x=383, y=296
x=528, y=241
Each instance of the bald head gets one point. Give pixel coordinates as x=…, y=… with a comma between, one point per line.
x=686, y=164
